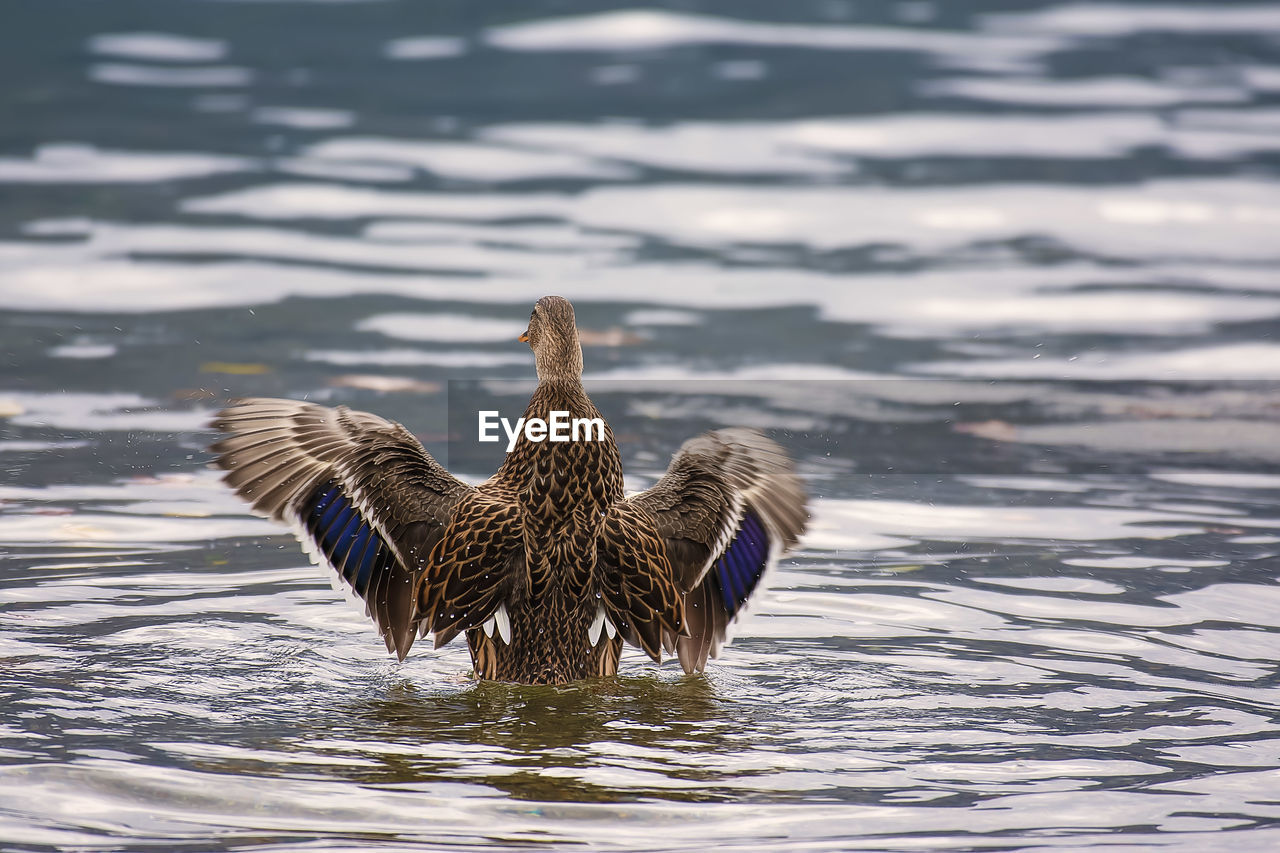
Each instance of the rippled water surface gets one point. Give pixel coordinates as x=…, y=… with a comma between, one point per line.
x=1002, y=275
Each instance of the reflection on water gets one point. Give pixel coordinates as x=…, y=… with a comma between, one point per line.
x=1021, y=255
x=631, y=737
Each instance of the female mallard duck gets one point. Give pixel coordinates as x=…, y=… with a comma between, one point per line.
x=547, y=566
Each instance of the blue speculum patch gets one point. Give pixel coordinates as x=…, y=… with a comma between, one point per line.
x=743, y=563
x=345, y=537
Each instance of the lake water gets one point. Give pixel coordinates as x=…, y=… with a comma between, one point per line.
x=1002, y=275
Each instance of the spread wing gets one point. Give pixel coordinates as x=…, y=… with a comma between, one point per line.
x=729, y=505
x=365, y=498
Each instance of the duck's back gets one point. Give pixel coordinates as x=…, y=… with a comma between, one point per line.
x=562, y=491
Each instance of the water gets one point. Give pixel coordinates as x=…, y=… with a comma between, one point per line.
x=1022, y=256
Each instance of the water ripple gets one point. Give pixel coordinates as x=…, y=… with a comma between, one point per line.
x=1036, y=606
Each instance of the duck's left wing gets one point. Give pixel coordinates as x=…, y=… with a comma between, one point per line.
x=361, y=493
x=727, y=508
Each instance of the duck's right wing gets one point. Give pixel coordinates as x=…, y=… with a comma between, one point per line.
x=364, y=497
x=727, y=508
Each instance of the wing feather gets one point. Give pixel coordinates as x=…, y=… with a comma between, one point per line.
x=728, y=507
x=364, y=497
x=635, y=581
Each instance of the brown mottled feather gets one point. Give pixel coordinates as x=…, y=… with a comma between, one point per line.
x=636, y=579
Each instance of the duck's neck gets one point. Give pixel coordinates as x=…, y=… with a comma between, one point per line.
x=561, y=363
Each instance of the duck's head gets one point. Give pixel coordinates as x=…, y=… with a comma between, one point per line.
x=553, y=337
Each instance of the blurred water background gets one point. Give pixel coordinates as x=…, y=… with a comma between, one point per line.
x=1021, y=254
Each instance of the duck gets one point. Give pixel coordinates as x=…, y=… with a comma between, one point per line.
x=548, y=567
